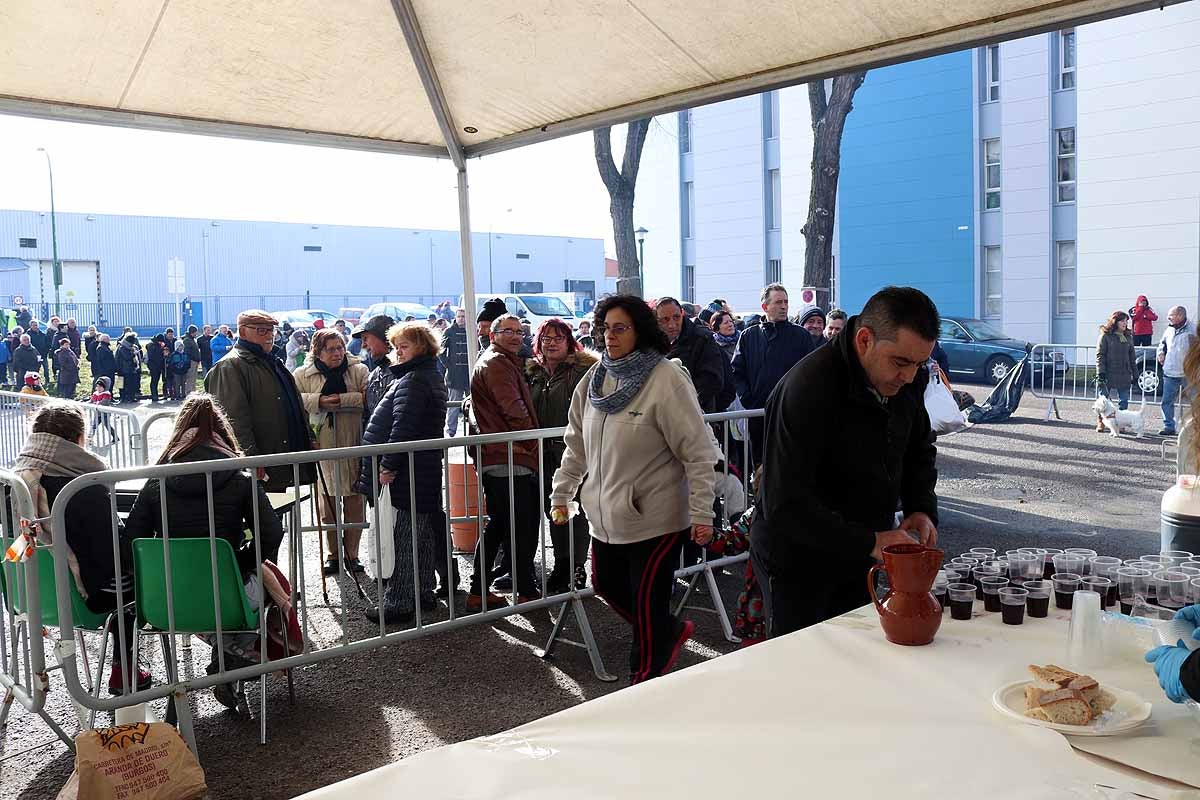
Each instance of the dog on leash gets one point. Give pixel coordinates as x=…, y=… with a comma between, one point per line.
x=1116, y=420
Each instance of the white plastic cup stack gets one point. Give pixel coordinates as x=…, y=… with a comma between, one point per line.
x=1085, y=644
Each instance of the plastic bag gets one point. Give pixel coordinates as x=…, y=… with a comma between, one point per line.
x=944, y=416
x=139, y=761
x=380, y=534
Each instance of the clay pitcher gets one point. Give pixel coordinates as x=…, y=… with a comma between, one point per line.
x=908, y=613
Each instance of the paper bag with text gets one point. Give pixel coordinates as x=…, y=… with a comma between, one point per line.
x=141, y=761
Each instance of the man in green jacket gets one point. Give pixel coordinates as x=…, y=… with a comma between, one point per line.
x=262, y=401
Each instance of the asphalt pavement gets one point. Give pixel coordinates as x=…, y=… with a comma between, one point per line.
x=1022, y=482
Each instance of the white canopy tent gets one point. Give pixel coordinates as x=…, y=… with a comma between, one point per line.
x=454, y=79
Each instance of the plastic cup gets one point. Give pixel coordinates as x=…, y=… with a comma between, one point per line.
x=1193, y=563
x=978, y=574
x=1024, y=567
x=1194, y=590
x=1177, y=556
x=1012, y=605
x=1048, y=554
x=1037, y=599
x=1086, y=552
x=991, y=585
x=998, y=564
x=1172, y=588
x=1065, y=586
x=987, y=552
x=1162, y=561
x=1101, y=586
x=1069, y=562
x=1133, y=583
x=1084, y=637
x=962, y=600
x=939, y=589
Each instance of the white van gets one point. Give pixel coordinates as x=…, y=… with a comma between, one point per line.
x=534, y=307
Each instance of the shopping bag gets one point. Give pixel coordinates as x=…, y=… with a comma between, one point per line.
x=381, y=536
x=139, y=761
x=944, y=416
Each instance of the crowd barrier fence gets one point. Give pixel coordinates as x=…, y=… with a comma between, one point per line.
x=114, y=433
x=1074, y=376
x=198, y=591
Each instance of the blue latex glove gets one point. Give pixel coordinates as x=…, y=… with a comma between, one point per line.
x=1192, y=615
x=1167, y=661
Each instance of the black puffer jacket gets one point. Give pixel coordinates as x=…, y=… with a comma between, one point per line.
x=454, y=358
x=706, y=364
x=187, y=510
x=413, y=409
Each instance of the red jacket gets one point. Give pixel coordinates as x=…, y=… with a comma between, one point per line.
x=1143, y=318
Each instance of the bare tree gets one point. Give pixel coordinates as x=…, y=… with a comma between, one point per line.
x=828, y=123
x=620, y=185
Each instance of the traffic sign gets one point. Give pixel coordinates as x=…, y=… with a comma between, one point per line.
x=18, y=300
x=808, y=296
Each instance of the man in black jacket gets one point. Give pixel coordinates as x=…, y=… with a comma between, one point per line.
x=457, y=366
x=694, y=346
x=764, y=354
x=40, y=340
x=850, y=443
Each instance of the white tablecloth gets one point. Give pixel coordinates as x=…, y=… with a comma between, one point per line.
x=831, y=711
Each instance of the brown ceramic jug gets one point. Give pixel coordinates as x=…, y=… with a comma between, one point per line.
x=908, y=613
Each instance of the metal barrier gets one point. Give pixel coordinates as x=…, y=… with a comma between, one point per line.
x=148, y=422
x=1069, y=372
x=114, y=434
x=176, y=688
x=23, y=672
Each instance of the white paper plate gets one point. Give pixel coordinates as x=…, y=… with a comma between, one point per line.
x=1129, y=713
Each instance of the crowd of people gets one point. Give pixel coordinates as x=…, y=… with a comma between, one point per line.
x=633, y=482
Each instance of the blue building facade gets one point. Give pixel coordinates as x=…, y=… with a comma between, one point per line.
x=906, y=197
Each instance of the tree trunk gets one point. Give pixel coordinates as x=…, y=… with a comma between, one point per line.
x=828, y=123
x=621, y=185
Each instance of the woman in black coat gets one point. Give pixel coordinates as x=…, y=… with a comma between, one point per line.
x=414, y=408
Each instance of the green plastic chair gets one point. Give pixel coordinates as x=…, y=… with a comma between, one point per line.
x=83, y=618
x=192, y=586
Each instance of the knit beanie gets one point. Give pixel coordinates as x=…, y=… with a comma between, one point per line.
x=491, y=310
x=812, y=312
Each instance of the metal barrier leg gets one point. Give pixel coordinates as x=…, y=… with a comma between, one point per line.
x=585, y=629
x=104, y=639
x=1052, y=409
x=687, y=593
x=558, y=625
x=719, y=605
x=87, y=664
x=183, y=712
x=4, y=712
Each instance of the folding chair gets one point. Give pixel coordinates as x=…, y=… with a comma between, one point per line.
x=196, y=609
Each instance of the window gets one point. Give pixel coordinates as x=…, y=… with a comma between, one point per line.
x=23, y=242
x=770, y=107
x=993, y=295
x=991, y=174
x=1065, y=168
x=1066, y=60
x=522, y=256
x=774, y=271
x=774, y=201
x=312, y=248
x=687, y=217
x=991, y=73
x=685, y=131
x=1064, y=280
x=689, y=283
x=952, y=331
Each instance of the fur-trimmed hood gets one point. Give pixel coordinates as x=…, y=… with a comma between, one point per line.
x=582, y=357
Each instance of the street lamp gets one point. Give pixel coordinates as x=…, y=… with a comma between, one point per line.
x=641, y=237
x=53, y=235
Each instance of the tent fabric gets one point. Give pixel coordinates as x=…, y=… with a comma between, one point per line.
x=512, y=71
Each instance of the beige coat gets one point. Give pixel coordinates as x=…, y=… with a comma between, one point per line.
x=341, y=429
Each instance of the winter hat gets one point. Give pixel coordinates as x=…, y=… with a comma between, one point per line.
x=32, y=378
x=491, y=310
x=812, y=312
x=102, y=382
x=377, y=325
x=705, y=314
x=255, y=317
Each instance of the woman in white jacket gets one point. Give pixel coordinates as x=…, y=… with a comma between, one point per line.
x=636, y=434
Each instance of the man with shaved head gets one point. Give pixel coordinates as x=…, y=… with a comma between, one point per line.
x=1172, y=350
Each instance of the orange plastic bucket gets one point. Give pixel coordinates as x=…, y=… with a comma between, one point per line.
x=464, y=501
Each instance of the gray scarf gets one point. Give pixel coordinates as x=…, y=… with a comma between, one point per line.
x=54, y=456
x=631, y=372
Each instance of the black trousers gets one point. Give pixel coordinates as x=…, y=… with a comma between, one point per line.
x=755, y=427
x=155, y=376
x=525, y=513
x=1143, y=340
x=801, y=598
x=441, y=549
x=636, y=581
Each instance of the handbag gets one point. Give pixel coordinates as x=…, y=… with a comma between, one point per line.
x=381, y=546
x=944, y=416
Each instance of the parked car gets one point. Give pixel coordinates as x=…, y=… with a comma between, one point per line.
x=399, y=311
x=352, y=315
x=980, y=351
x=297, y=319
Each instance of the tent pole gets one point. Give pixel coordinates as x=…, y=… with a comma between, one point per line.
x=468, y=266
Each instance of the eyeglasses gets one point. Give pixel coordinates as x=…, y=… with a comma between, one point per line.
x=509, y=331
x=619, y=329
x=261, y=330
x=553, y=339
